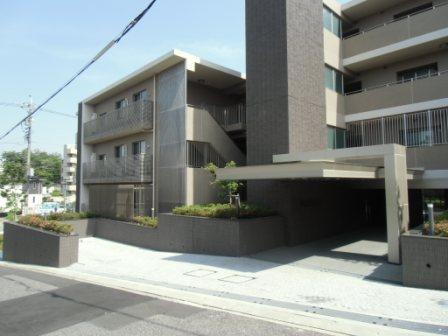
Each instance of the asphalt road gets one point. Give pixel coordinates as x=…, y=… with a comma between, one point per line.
x=34, y=304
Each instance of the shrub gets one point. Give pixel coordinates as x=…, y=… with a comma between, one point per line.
x=47, y=225
x=65, y=216
x=1, y=242
x=443, y=217
x=440, y=229
x=146, y=221
x=223, y=211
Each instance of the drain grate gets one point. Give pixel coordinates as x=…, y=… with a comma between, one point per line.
x=237, y=279
x=200, y=273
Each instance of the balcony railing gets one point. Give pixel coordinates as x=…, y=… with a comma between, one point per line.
x=403, y=81
x=395, y=20
x=136, y=169
x=231, y=118
x=133, y=118
x=396, y=30
x=404, y=92
x=200, y=154
x=427, y=128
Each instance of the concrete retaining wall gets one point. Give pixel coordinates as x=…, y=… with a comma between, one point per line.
x=425, y=261
x=221, y=236
x=83, y=227
x=184, y=234
x=127, y=233
x=23, y=244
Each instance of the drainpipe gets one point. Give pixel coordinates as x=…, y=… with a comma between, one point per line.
x=153, y=207
x=431, y=219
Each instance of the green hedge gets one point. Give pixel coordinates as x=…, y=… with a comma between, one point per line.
x=47, y=225
x=145, y=221
x=441, y=227
x=65, y=216
x=223, y=211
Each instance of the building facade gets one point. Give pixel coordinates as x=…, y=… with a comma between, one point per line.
x=323, y=76
x=68, y=174
x=143, y=141
x=361, y=86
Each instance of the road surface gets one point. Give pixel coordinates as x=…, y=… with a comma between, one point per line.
x=33, y=303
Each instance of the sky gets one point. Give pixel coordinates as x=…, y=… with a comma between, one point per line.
x=45, y=42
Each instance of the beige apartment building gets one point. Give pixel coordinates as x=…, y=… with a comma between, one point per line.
x=342, y=121
x=144, y=140
x=68, y=174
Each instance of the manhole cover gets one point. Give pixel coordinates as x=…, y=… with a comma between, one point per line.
x=200, y=273
x=237, y=279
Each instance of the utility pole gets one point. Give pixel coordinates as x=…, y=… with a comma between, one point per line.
x=28, y=132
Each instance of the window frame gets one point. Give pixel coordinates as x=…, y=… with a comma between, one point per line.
x=334, y=18
x=141, y=147
x=139, y=96
x=120, y=151
x=334, y=80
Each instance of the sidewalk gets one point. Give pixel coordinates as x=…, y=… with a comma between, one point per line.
x=247, y=282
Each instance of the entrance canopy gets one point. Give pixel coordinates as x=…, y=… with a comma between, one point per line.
x=386, y=162
x=351, y=163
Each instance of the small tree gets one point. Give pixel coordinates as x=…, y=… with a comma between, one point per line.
x=227, y=188
x=14, y=202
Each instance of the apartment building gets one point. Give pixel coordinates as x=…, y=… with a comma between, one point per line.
x=68, y=173
x=347, y=113
x=339, y=99
x=144, y=140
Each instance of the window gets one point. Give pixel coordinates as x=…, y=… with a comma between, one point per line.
x=336, y=137
x=121, y=103
x=140, y=96
x=332, y=22
x=121, y=151
x=419, y=72
x=139, y=148
x=334, y=80
x=102, y=157
x=413, y=11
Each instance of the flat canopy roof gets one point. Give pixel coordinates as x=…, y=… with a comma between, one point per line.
x=213, y=74
x=348, y=163
x=304, y=170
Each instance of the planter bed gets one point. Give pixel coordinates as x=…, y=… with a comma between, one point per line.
x=425, y=261
x=227, y=237
x=28, y=245
x=185, y=234
x=127, y=233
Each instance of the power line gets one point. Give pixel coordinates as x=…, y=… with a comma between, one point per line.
x=43, y=110
x=126, y=30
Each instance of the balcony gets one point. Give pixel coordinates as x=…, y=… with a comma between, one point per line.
x=136, y=169
x=136, y=117
x=368, y=48
x=418, y=90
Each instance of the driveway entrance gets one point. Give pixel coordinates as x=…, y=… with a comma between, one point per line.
x=361, y=253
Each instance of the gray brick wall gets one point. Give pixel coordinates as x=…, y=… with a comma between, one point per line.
x=286, y=106
x=32, y=246
x=285, y=78
x=425, y=261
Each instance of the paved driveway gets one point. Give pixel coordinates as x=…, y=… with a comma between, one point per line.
x=361, y=253
x=36, y=304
